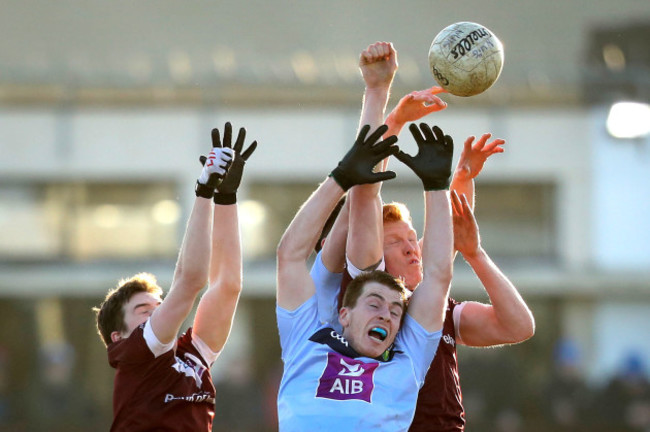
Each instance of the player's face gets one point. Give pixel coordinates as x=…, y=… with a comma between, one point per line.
x=138, y=309
x=371, y=326
x=402, y=252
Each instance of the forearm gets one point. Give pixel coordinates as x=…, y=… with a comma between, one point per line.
x=365, y=237
x=226, y=256
x=437, y=242
x=333, y=252
x=294, y=284
x=300, y=237
x=193, y=259
x=190, y=275
x=394, y=124
x=463, y=185
x=437, y=261
x=510, y=311
x=374, y=106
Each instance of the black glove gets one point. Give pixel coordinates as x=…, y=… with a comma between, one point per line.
x=357, y=165
x=221, y=158
x=227, y=191
x=433, y=161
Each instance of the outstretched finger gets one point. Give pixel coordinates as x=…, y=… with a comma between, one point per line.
x=406, y=159
x=481, y=141
x=216, y=138
x=227, y=134
x=377, y=134
x=417, y=134
x=456, y=204
x=383, y=176
x=249, y=151
x=495, y=146
x=437, y=90
x=241, y=136
x=361, y=137
x=439, y=135
x=383, y=145
x=467, y=147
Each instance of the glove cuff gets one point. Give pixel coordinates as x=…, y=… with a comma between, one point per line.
x=225, y=198
x=339, y=177
x=203, y=191
x=433, y=185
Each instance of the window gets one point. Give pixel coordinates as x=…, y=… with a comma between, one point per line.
x=87, y=221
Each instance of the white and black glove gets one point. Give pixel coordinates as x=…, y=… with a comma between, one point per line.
x=214, y=169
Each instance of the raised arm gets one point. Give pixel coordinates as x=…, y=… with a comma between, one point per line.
x=333, y=251
x=216, y=309
x=378, y=64
x=294, y=285
x=507, y=319
x=433, y=165
x=191, y=273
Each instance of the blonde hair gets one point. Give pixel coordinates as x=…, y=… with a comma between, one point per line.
x=394, y=212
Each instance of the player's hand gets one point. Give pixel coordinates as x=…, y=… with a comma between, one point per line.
x=378, y=64
x=416, y=105
x=218, y=161
x=357, y=165
x=432, y=163
x=467, y=240
x=474, y=155
x=227, y=189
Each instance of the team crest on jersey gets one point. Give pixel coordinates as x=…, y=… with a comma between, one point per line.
x=191, y=367
x=345, y=378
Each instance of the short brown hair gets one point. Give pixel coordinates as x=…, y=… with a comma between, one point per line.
x=110, y=314
x=394, y=212
x=355, y=287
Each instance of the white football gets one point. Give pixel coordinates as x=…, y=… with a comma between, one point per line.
x=466, y=58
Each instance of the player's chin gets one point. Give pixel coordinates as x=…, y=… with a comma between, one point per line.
x=374, y=348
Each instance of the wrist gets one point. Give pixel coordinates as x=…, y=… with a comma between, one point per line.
x=381, y=89
x=339, y=176
x=474, y=255
x=203, y=191
x=225, y=198
x=394, y=124
x=436, y=185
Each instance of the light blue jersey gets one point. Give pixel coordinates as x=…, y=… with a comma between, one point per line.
x=323, y=390
x=328, y=285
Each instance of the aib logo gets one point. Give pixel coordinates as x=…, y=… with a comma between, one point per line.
x=345, y=378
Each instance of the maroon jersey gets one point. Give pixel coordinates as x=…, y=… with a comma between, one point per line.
x=440, y=401
x=172, y=392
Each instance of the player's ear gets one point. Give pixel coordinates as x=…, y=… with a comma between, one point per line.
x=344, y=317
x=116, y=336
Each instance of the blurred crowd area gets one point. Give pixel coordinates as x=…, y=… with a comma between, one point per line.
x=503, y=392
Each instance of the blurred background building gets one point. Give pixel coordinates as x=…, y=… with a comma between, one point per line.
x=106, y=106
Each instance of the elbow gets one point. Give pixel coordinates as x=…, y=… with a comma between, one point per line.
x=530, y=328
x=192, y=280
x=284, y=250
x=287, y=251
x=525, y=330
x=230, y=286
x=441, y=275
